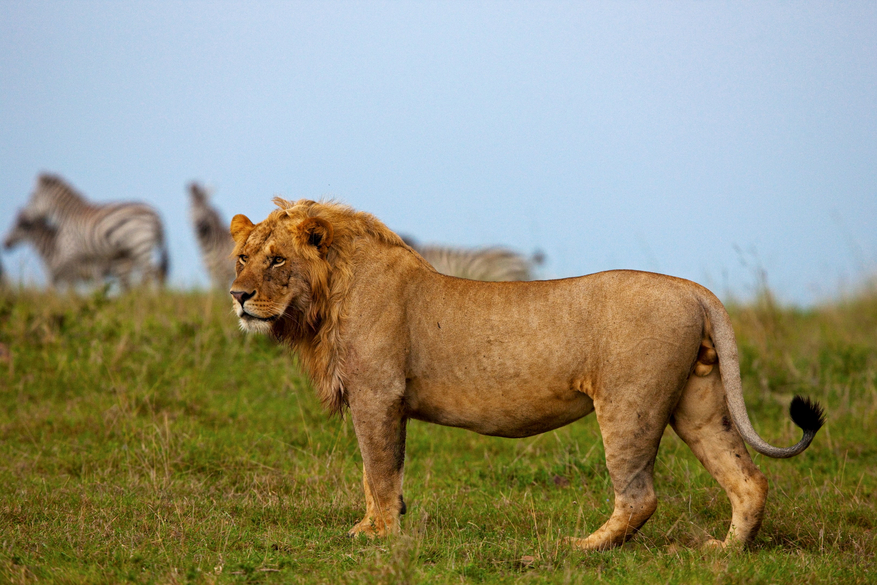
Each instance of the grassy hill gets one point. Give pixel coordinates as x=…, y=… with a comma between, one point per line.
x=144, y=438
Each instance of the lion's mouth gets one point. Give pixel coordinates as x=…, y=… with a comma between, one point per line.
x=244, y=316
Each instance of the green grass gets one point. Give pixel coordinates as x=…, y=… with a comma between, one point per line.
x=145, y=439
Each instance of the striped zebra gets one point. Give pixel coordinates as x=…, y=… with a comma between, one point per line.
x=213, y=236
x=44, y=238
x=124, y=241
x=491, y=264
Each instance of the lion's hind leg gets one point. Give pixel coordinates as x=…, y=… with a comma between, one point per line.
x=631, y=432
x=701, y=419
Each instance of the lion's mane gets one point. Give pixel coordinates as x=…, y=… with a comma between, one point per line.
x=316, y=331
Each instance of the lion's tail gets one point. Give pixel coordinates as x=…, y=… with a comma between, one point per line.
x=805, y=413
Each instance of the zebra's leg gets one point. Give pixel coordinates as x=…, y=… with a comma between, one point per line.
x=120, y=269
x=63, y=275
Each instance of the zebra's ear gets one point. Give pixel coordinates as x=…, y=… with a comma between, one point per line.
x=317, y=232
x=198, y=193
x=241, y=226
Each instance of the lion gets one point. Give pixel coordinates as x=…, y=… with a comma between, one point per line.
x=387, y=338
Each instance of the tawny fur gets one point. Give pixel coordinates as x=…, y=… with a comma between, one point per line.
x=381, y=332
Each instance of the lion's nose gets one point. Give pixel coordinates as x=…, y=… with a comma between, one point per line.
x=242, y=296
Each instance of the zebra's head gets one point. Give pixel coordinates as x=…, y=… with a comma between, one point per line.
x=28, y=228
x=199, y=196
x=204, y=218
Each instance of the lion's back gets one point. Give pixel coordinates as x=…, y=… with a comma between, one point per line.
x=523, y=326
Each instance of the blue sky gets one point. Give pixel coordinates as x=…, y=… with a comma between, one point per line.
x=706, y=140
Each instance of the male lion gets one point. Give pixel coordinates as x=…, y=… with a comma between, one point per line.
x=381, y=332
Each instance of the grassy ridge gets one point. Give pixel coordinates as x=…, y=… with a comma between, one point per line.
x=145, y=439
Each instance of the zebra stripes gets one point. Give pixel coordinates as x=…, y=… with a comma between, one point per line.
x=83, y=242
x=124, y=241
x=491, y=264
x=213, y=237
x=44, y=237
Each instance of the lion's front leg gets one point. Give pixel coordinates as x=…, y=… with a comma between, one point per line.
x=381, y=435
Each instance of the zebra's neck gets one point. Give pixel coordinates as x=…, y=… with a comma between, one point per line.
x=43, y=239
x=67, y=203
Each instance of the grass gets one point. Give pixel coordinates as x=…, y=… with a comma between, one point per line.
x=145, y=439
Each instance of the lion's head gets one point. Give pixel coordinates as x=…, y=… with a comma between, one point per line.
x=293, y=272
x=281, y=268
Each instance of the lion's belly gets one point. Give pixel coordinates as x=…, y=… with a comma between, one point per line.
x=520, y=411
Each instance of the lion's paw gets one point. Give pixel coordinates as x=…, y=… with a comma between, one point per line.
x=713, y=544
x=365, y=527
x=372, y=528
x=583, y=543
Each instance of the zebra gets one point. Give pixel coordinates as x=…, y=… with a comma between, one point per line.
x=44, y=238
x=492, y=263
x=115, y=239
x=213, y=236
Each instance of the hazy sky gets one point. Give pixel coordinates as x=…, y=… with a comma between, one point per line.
x=700, y=139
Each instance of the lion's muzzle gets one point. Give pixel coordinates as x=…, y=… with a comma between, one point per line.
x=242, y=296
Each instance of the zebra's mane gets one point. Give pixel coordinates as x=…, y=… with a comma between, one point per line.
x=59, y=186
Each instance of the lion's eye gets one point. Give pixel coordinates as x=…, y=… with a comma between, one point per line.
x=278, y=261
x=243, y=259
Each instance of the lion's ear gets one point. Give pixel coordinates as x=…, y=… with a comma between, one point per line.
x=317, y=232
x=241, y=226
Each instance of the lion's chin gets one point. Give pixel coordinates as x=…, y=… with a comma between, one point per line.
x=252, y=324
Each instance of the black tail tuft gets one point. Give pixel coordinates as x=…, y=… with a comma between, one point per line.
x=807, y=414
